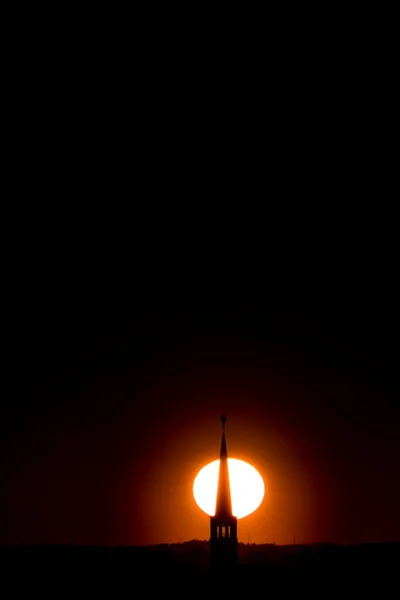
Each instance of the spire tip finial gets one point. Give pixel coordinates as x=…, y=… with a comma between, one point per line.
x=223, y=421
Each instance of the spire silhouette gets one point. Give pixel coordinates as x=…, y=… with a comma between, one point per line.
x=223, y=525
x=224, y=500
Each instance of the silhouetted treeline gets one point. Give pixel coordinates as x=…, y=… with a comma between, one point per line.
x=168, y=566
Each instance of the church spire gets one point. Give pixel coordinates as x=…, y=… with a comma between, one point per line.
x=223, y=525
x=224, y=501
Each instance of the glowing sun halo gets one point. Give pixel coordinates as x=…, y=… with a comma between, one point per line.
x=247, y=487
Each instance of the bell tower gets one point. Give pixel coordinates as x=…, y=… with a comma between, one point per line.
x=223, y=525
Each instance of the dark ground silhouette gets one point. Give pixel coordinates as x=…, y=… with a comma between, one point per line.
x=183, y=569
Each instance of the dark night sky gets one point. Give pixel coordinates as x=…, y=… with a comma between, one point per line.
x=122, y=356
x=182, y=245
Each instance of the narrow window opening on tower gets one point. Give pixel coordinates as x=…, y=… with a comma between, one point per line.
x=224, y=531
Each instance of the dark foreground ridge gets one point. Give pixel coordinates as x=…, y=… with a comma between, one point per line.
x=173, y=567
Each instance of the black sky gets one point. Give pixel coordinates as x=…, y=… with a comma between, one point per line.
x=180, y=244
x=113, y=354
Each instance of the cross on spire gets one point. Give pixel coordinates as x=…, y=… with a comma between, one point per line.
x=223, y=421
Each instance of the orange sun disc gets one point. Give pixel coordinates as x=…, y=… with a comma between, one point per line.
x=247, y=487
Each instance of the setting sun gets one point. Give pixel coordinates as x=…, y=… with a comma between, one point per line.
x=247, y=487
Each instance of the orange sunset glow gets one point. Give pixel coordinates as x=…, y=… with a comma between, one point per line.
x=171, y=506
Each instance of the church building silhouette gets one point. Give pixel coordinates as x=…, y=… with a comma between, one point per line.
x=223, y=525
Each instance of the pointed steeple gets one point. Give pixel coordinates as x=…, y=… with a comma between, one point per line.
x=223, y=507
x=223, y=525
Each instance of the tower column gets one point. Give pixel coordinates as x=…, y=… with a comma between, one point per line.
x=223, y=525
